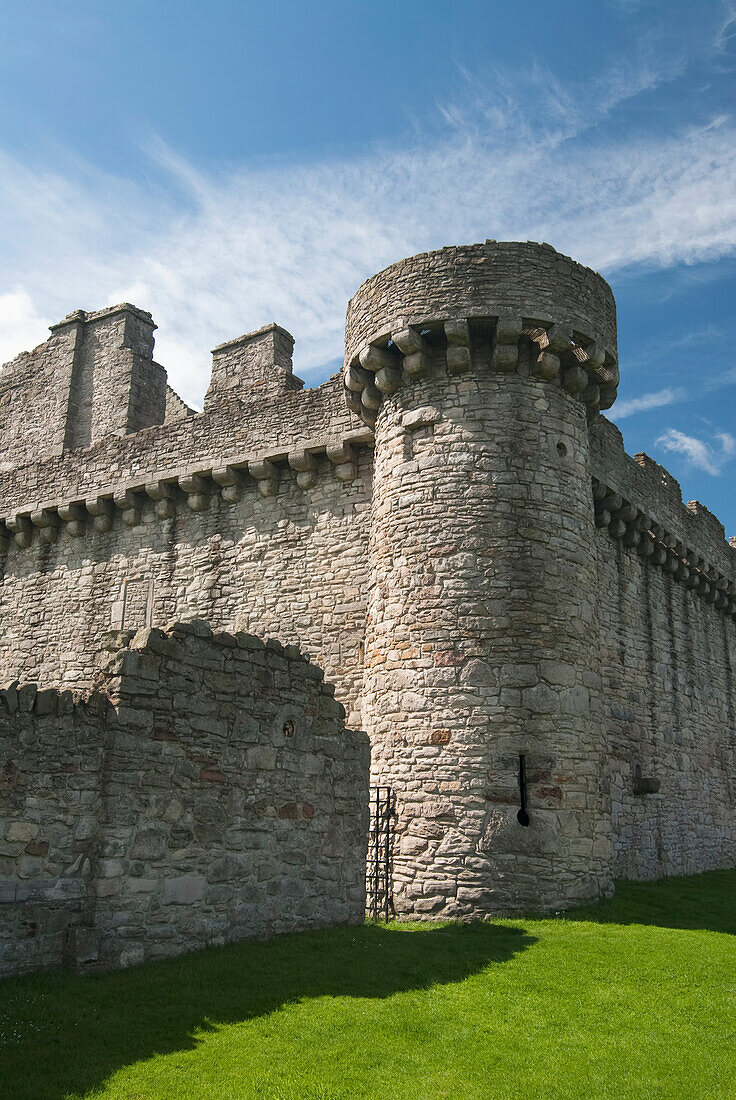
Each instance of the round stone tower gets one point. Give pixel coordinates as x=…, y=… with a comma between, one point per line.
x=479, y=368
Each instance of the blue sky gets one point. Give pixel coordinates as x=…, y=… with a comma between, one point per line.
x=227, y=164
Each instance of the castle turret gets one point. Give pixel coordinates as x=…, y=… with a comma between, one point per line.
x=479, y=368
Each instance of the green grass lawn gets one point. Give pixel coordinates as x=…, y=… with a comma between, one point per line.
x=632, y=998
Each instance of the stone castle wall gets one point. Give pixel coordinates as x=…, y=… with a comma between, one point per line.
x=450, y=528
x=540, y=601
x=668, y=665
x=204, y=790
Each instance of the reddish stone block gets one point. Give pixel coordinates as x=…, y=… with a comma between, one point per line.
x=290, y=810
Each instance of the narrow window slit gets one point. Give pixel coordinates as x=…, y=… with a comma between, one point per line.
x=522, y=817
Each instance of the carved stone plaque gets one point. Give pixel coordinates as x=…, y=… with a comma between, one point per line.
x=134, y=608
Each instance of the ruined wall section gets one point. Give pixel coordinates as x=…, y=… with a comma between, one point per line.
x=52, y=748
x=34, y=398
x=206, y=790
x=667, y=617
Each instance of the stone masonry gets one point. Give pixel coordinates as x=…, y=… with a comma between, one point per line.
x=508, y=604
x=204, y=789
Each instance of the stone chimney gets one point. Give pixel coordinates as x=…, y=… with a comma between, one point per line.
x=257, y=364
x=115, y=387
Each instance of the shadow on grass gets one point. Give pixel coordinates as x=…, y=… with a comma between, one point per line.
x=61, y=1033
x=706, y=902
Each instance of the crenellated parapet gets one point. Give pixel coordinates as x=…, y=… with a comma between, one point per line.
x=643, y=534
x=506, y=308
x=638, y=502
x=195, y=488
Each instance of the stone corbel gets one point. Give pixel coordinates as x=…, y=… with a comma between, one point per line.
x=594, y=363
x=353, y=402
x=559, y=343
x=607, y=394
x=305, y=466
x=505, y=355
x=546, y=365
x=344, y=459
x=101, y=509
x=357, y=378
x=267, y=476
x=646, y=546
x=195, y=487
x=575, y=379
x=606, y=368
x=48, y=523
x=373, y=358
x=22, y=530
x=591, y=395
x=230, y=481
x=617, y=528
x=387, y=370
x=129, y=505
x=370, y=403
x=659, y=556
x=162, y=492
x=459, y=358
x=73, y=517
x=416, y=351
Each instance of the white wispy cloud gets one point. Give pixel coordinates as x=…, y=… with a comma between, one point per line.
x=726, y=32
x=646, y=402
x=213, y=254
x=698, y=452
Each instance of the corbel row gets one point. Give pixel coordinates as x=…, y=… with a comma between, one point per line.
x=543, y=350
x=642, y=533
x=198, y=488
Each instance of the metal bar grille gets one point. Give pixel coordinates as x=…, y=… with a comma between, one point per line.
x=379, y=902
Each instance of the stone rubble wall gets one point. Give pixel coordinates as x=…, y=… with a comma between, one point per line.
x=205, y=790
x=666, y=585
x=668, y=664
x=34, y=398
x=480, y=648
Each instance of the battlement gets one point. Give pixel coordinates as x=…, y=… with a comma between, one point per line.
x=500, y=306
x=638, y=500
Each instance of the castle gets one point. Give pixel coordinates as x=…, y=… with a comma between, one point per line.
x=537, y=635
